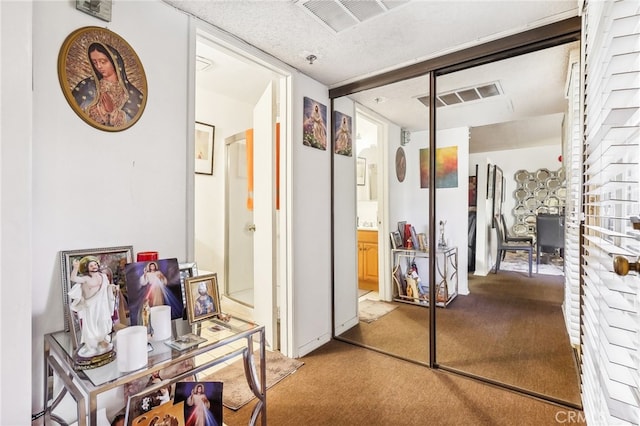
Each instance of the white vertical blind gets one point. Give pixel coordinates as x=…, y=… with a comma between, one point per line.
x=572, y=159
x=611, y=304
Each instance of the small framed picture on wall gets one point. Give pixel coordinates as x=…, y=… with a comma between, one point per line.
x=204, y=138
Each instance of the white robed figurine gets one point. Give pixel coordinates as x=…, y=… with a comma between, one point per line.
x=93, y=297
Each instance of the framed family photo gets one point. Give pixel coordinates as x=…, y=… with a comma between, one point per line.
x=204, y=138
x=203, y=297
x=102, y=78
x=111, y=262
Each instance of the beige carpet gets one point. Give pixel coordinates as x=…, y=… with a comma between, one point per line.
x=371, y=310
x=510, y=328
x=236, y=392
x=344, y=385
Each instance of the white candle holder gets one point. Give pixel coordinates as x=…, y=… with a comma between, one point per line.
x=131, y=344
x=160, y=322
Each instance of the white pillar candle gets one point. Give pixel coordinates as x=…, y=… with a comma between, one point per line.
x=131, y=344
x=160, y=322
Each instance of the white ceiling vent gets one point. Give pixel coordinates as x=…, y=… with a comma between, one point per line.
x=468, y=94
x=339, y=15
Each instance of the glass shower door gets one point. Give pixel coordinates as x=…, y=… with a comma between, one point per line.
x=239, y=224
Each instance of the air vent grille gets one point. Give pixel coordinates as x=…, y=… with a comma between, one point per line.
x=390, y=4
x=331, y=14
x=363, y=10
x=339, y=15
x=468, y=94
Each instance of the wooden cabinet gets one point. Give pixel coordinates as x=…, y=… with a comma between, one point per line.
x=368, y=260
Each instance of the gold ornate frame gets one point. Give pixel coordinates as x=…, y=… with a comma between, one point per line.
x=113, y=109
x=191, y=293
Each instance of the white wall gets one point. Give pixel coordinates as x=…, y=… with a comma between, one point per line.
x=16, y=259
x=310, y=226
x=93, y=188
x=344, y=230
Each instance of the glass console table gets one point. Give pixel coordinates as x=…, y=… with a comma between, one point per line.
x=416, y=290
x=224, y=341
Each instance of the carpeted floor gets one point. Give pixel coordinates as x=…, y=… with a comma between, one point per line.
x=236, y=392
x=510, y=328
x=343, y=384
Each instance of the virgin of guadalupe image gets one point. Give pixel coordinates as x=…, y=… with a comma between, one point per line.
x=107, y=96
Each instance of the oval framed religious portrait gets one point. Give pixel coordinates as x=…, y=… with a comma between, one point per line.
x=401, y=164
x=102, y=79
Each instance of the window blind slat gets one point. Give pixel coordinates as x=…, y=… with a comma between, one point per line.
x=611, y=194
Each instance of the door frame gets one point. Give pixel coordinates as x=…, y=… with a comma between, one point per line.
x=283, y=76
x=384, y=252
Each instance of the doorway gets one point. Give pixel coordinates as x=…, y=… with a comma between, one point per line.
x=368, y=150
x=236, y=94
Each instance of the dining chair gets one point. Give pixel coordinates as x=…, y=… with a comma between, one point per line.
x=550, y=235
x=513, y=238
x=505, y=246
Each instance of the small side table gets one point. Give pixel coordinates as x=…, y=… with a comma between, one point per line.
x=85, y=385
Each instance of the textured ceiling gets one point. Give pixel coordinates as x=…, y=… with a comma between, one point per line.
x=533, y=84
x=410, y=33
